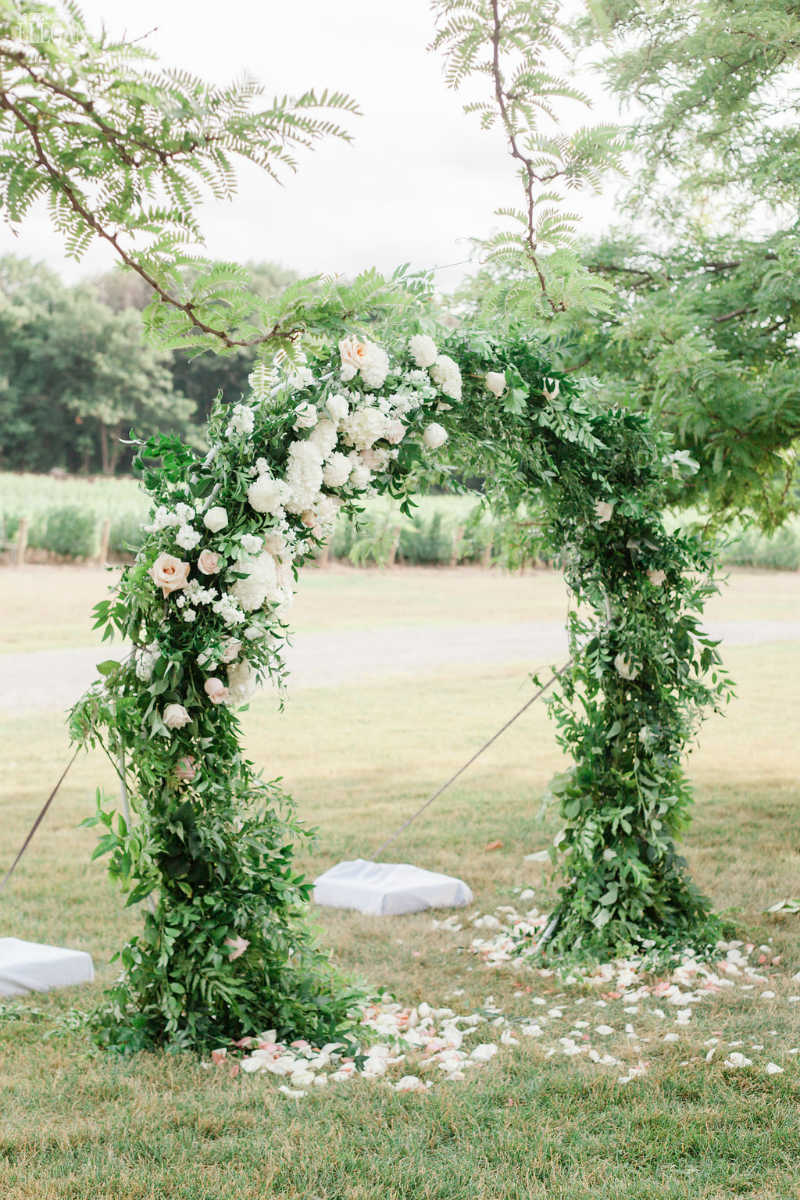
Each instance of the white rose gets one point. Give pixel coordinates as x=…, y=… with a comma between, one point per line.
x=423, y=350
x=175, y=716
x=603, y=511
x=657, y=578
x=496, y=382
x=338, y=407
x=215, y=519
x=434, y=436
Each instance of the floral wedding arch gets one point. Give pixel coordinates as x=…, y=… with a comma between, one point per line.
x=224, y=950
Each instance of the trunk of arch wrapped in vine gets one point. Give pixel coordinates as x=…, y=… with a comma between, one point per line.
x=224, y=951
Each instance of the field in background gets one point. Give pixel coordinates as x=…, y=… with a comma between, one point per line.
x=65, y=517
x=358, y=760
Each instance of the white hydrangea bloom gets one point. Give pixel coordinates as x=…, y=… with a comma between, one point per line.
x=228, y=610
x=446, y=374
x=196, y=594
x=423, y=350
x=324, y=438
x=189, y=614
x=250, y=543
x=375, y=458
x=184, y=513
x=242, y=420
x=376, y=367
x=163, y=518
x=303, y=476
x=266, y=495
x=434, y=436
x=337, y=407
x=305, y=416
x=360, y=475
x=187, y=537
x=336, y=471
x=363, y=427
x=259, y=583
x=327, y=511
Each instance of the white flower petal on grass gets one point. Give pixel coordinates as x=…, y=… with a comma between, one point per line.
x=736, y=1061
x=484, y=1052
x=409, y=1083
x=773, y=1069
x=293, y=1093
x=604, y=1030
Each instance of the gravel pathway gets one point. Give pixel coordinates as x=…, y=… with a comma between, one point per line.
x=53, y=679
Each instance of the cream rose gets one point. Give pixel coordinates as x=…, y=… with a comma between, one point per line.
x=657, y=578
x=352, y=353
x=208, y=562
x=169, y=573
x=215, y=689
x=215, y=519
x=603, y=511
x=175, y=716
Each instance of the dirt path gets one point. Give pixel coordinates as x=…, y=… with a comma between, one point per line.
x=53, y=679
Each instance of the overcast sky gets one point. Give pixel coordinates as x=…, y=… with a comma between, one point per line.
x=418, y=180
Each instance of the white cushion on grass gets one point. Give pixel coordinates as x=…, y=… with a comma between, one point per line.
x=385, y=889
x=29, y=967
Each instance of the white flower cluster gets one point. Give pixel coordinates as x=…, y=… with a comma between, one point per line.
x=342, y=436
x=242, y=421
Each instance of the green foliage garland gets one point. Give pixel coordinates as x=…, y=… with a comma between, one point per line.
x=224, y=951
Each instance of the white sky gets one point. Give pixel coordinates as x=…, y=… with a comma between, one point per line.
x=417, y=182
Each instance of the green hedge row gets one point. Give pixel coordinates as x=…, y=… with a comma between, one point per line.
x=377, y=537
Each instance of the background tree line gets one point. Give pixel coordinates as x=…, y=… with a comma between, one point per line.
x=77, y=372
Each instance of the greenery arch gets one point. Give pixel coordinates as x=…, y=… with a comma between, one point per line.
x=224, y=950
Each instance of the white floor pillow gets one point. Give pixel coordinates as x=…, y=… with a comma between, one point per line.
x=28, y=967
x=384, y=889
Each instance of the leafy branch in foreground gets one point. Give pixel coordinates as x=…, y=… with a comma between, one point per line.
x=516, y=45
x=123, y=151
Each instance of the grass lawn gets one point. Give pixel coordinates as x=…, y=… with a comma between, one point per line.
x=77, y=1126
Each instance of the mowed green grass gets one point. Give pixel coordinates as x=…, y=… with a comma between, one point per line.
x=76, y=1125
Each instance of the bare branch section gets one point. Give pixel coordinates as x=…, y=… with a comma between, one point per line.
x=520, y=48
x=125, y=152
